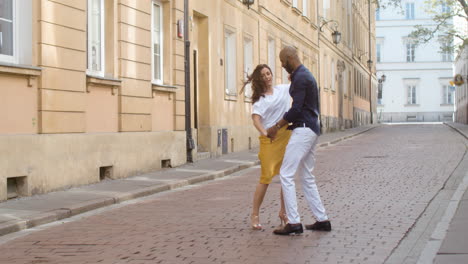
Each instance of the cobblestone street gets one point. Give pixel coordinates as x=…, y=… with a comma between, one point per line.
x=375, y=186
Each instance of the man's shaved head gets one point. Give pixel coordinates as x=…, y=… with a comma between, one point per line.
x=289, y=59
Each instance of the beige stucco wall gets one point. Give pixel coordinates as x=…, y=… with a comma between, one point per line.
x=122, y=119
x=52, y=162
x=18, y=105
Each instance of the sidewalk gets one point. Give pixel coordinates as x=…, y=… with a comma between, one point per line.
x=28, y=212
x=453, y=247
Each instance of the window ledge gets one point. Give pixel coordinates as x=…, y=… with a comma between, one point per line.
x=297, y=10
x=102, y=81
x=18, y=69
x=411, y=105
x=286, y=2
x=247, y=99
x=230, y=97
x=164, y=88
x=306, y=19
x=446, y=104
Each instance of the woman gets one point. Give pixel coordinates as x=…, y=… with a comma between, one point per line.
x=269, y=105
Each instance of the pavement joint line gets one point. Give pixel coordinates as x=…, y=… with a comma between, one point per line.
x=438, y=235
x=42, y=218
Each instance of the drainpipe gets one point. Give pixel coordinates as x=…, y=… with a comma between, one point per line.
x=369, y=62
x=188, y=126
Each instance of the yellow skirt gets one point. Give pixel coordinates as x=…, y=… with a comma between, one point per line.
x=271, y=154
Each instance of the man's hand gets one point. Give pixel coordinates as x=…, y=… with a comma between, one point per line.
x=271, y=132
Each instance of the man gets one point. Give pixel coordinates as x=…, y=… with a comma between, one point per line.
x=299, y=156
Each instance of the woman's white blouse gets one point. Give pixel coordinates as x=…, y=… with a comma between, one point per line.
x=272, y=107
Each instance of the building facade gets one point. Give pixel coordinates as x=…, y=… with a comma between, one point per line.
x=417, y=84
x=461, y=87
x=95, y=89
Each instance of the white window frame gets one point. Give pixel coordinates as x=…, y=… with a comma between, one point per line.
x=161, y=44
x=230, y=73
x=14, y=57
x=378, y=51
x=410, y=52
x=248, y=64
x=89, y=40
x=409, y=11
x=446, y=56
x=325, y=7
x=448, y=94
x=445, y=8
x=411, y=94
x=305, y=8
x=332, y=85
x=272, y=56
x=294, y=3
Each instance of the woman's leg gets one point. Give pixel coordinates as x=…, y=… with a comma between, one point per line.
x=257, y=202
x=282, y=213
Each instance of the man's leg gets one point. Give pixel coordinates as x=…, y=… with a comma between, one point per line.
x=296, y=149
x=309, y=185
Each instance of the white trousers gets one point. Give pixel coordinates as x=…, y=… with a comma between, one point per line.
x=300, y=157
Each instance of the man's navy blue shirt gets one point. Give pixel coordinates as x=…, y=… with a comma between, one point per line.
x=304, y=93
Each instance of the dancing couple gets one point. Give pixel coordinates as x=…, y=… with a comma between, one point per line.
x=288, y=137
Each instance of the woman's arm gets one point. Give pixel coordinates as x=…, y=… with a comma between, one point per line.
x=258, y=124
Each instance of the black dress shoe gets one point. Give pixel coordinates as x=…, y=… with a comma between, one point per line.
x=320, y=226
x=289, y=229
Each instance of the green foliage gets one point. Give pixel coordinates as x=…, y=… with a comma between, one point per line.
x=443, y=13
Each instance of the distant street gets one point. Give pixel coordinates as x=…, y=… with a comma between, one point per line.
x=374, y=186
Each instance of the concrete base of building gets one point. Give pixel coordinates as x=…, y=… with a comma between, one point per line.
x=35, y=164
x=414, y=117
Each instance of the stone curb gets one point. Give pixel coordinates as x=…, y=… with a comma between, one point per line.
x=62, y=213
x=456, y=129
x=83, y=207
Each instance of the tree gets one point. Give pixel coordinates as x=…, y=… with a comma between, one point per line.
x=443, y=13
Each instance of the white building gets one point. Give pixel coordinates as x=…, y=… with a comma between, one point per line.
x=416, y=86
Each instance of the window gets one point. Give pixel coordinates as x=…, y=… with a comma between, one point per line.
x=326, y=6
x=409, y=11
x=379, y=52
x=294, y=3
x=445, y=8
x=410, y=50
x=95, y=29
x=272, y=57
x=305, y=8
x=248, y=64
x=157, y=43
x=7, y=26
x=377, y=14
x=447, y=94
x=411, y=94
x=230, y=62
x=333, y=75
x=446, y=53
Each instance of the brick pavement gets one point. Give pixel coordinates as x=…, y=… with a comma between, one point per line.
x=374, y=186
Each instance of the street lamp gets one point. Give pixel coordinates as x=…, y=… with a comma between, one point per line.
x=336, y=35
x=381, y=80
x=248, y=3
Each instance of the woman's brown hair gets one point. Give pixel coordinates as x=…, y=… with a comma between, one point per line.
x=258, y=85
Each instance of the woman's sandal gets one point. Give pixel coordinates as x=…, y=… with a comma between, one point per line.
x=255, y=222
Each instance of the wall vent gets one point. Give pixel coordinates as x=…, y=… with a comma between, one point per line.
x=17, y=187
x=105, y=172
